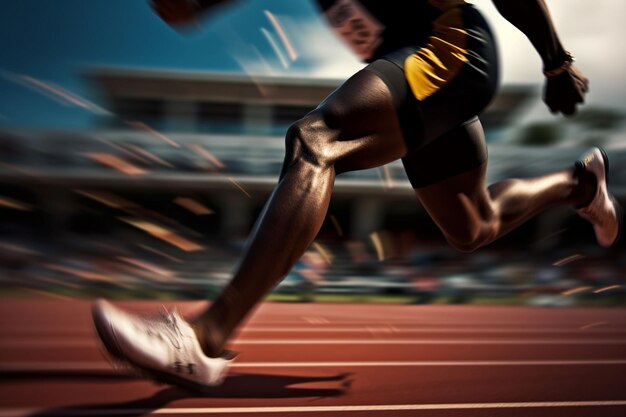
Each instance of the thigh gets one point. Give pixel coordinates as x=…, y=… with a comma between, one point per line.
x=457, y=201
x=460, y=205
x=363, y=124
x=451, y=174
x=459, y=150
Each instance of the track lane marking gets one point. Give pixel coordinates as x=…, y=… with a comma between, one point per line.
x=429, y=363
x=427, y=342
x=26, y=331
x=395, y=329
x=15, y=412
x=314, y=323
x=45, y=343
x=98, y=366
x=321, y=321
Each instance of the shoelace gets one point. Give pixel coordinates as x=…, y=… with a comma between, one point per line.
x=165, y=324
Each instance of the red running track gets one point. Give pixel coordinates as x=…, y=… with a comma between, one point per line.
x=334, y=360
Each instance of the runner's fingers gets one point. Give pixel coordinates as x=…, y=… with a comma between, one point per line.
x=585, y=85
x=569, y=108
x=585, y=82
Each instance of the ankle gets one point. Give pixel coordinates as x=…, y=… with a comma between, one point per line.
x=208, y=339
x=586, y=187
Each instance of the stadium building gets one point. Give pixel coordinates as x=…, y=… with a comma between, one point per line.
x=216, y=136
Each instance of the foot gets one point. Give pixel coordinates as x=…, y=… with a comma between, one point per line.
x=604, y=212
x=164, y=347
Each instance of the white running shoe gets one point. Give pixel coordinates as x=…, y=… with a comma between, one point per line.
x=164, y=347
x=604, y=212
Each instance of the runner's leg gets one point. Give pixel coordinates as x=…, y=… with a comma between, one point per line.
x=472, y=215
x=356, y=127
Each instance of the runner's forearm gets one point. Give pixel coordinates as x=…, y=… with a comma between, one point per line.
x=533, y=19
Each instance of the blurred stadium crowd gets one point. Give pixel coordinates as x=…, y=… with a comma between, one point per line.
x=90, y=215
x=157, y=200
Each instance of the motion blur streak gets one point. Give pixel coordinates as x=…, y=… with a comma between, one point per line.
x=147, y=266
x=57, y=93
x=160, y=253
x=576, y=290
x=193, y=206
x=14, y=204
x=108, y=199
x=240, y=187
x=150, y=156
x=122, y=149
x=143, y=126
x=388, y=179
x=378, y=245
x=165, y=234
x=568, y=260
x=274, y=45
x=336, y=225
x=609, y=288
x=115, y=162
x=207, y=155
x=282, y=35
x=324, y=253
x=91, y=276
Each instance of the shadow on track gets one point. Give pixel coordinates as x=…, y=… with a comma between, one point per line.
x=68, y=375
x=235, y=386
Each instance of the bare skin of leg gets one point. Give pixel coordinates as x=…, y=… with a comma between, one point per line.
x=355, y=128
x=472, y=215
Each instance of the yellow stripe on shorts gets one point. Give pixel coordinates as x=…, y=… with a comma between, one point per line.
x=434, y=65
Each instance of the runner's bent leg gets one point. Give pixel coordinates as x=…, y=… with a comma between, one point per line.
x=471, y=215
x=356, y=127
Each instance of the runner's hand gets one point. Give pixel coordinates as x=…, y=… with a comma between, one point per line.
x=564, y=91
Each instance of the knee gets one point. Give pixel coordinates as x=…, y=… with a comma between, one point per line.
x=465, y=245
x=475, y=226
x=471, y=238
x=308, y=140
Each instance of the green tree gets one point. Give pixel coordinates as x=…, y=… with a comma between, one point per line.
x=540, y=134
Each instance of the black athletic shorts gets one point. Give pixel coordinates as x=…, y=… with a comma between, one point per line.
x=440, y=86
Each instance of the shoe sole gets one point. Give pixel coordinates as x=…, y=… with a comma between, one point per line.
x=110, y=345
x=619, y=210
x=605, y=159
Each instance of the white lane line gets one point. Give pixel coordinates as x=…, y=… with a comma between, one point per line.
x=394, y=329
x=430, y=363
x=460, y=342
x=14, y=412
x=316, y=320
x=47, y=343
x=322, y=321
x=590, y=325
x=99, y=366
x=365, y=328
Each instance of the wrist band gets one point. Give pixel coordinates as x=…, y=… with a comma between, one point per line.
x=565, y=66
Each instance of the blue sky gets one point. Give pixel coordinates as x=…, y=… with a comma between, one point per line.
x=55, y=40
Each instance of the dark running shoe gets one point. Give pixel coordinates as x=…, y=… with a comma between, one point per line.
x=604, y=212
